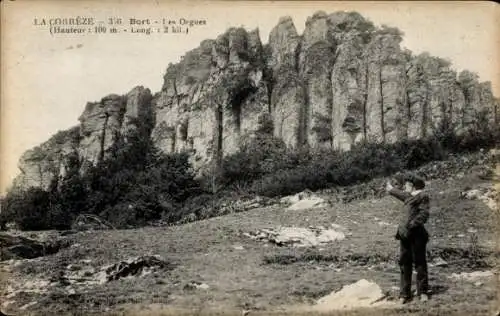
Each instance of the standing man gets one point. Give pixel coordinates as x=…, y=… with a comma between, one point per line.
x=413, y=236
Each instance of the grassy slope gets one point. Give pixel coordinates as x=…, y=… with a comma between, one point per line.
x=241, y=279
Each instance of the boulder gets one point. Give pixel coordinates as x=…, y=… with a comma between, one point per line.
x=17, y=247
x=299, y=236
x=362, y=293
x=134, y=267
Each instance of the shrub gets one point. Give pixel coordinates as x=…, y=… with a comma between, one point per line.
x=132, y=198
x=258, y=156
x=363, y=162
x=29, y=209
x=135, y=184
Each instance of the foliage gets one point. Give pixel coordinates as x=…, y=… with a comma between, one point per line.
x=132, y=186
x=265, y=123
x=322, y=127
x=364, y=162
x=255, y=158
x=29, y=209
x=139, y=185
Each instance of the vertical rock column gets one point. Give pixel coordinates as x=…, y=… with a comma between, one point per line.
x=348, y=87
x=386, y=89
x=138, y=112
x=100, y=125
x=316, y=61
x=287, y=95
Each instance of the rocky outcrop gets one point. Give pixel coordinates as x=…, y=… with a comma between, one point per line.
x=138, y=112
x=349, y=79
x=386, y=68
x=315, y=63
x=287, y=93
x=342, y=81
x=101, y=124
x=18, y=247
x=213, y=97
x=41, y=165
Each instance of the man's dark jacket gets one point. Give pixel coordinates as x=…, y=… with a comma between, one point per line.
x=415, y=215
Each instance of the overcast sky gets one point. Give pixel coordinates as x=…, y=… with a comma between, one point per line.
x=47, y=80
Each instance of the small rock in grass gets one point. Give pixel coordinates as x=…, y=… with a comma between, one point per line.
x=26, y=306
x=439, y=262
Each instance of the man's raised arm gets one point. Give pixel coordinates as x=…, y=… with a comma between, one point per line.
x=399, y=194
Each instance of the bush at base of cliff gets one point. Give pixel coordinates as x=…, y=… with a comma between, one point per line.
x=135, y=186
x=260, y=156
x=128, y=198
x=366, y=161
x=33, y=209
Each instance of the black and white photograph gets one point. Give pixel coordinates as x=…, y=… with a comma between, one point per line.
x=249, y=158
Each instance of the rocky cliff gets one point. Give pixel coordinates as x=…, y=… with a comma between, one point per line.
x=101, y=123
x=40, y=165
x=340, y=82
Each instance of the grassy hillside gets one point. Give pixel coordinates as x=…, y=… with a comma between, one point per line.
x=239, y=273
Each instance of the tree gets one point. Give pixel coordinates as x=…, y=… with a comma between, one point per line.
x=27, y=208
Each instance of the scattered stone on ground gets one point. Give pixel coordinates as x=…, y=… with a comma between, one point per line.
x=138, y=266
x=29, y=286
x=90, y=222
x=383, y=223
x=18, y=247
x=222, y=207
x=303, y=200
x=486, y=194
x=82, y=275
x=360, y=294
x=299, y=236
x=26, y=306
x=472, y=276
x=243, y=205
x=438, y=262
x=195, y=285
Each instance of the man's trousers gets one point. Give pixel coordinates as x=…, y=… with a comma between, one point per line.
x=413, y=252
